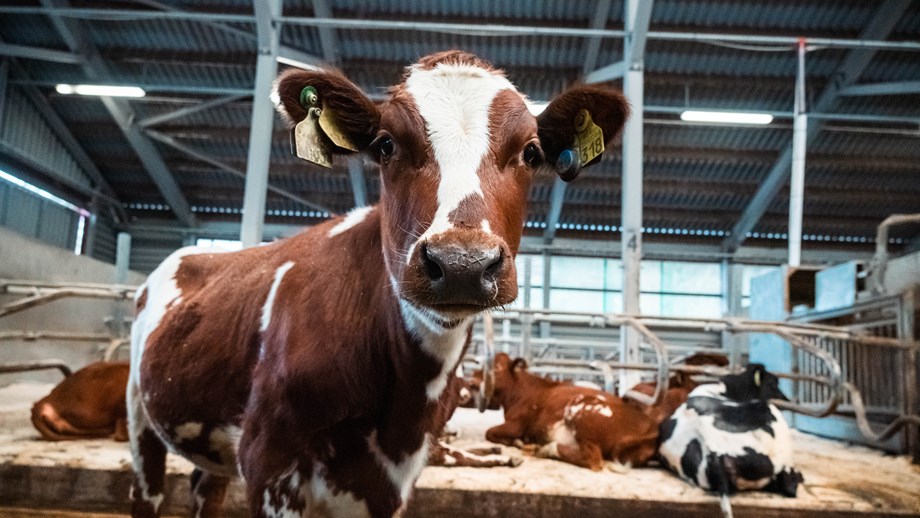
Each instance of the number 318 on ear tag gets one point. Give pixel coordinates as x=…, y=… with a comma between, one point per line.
x=308, y=142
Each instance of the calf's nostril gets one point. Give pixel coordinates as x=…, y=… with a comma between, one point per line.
x=433, y=267
x=494, y=260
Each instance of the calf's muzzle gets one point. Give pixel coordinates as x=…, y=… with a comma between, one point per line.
x=461, y=274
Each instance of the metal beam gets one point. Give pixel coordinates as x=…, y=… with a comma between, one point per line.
x=189, y=110
x=358, y=181
x=327, y=38
x=96, y=69
x=557, y=198
x=636, y=15
x=38, y=53
x=848, y=73
x=4, y=88
x=638, y=35
x=593, y=45
x=475, y=29
x=204, y=157
x=607, y=73
x=262, y=119
x=893, y=88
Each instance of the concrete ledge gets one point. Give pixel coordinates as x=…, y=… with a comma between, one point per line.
x=95, y=476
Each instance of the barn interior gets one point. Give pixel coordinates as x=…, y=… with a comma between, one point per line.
x=763, y=202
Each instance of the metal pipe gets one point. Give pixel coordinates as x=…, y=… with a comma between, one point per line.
x=457, y=28
x=797, y=177
x=879, y=262
x=10, y=368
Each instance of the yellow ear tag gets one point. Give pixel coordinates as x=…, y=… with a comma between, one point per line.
x=327, y=122
x=589, y=137
x=307, y=139
x=757, y=378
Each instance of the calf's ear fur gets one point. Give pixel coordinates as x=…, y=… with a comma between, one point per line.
x=355, y=115
x=608, y=108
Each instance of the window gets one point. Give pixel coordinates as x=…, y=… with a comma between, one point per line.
x=81, y=214
x=590, y=284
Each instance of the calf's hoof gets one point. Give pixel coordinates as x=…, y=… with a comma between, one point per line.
x=514, y=462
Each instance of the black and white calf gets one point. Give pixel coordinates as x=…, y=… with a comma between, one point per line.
x=727, y=437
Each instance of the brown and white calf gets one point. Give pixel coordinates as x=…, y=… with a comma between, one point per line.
x=317, y=367
x=575, y=424
x=88, y=404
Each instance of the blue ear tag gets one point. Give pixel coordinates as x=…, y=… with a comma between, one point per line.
x=307, y=138
x=568, y=165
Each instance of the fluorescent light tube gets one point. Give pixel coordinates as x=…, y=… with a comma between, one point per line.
x=101, y=90
x=726, y=117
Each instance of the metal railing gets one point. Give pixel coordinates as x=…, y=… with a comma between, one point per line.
x=38, y=293
x=824, y=377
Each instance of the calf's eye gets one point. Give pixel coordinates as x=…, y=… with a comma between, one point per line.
x=532, y=155
x=383, y=147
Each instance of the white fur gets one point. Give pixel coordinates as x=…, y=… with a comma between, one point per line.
x=270, y=300
x=187, y=431
x=690, y=425
x=454, y=100
x=162, y=293
x=337, y=503
x=403, y=474
x=445, y=344
x=352, y=219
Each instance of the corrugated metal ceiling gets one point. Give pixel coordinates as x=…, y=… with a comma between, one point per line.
x=697, y=177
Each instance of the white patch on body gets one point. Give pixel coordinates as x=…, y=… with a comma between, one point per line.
x=162, y=293
x=270, y=300
x=403, y=474
x=440, y=338
x=454, y=101
x=336, y=503
x=690, y=425
x=225, y=440
x=352, y=219
x=187, y=431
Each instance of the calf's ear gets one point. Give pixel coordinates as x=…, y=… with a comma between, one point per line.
x=568, y=140
x=347, y=110
x=518, y=365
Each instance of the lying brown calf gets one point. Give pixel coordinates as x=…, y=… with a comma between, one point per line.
x=578, y=425
x=88, y=404
x=680, y=385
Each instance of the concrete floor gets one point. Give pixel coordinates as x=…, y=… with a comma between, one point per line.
x=93, y=476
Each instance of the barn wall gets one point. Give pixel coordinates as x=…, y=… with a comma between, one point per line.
x=36, y=217
x=25, y=135
x=24, y=258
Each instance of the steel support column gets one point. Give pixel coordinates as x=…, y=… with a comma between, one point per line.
x=358, y=182
x=637, y=15
x=856, y=61
x=263, y=117
x=797, y=178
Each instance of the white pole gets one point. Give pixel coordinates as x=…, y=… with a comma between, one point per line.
x=797, y=179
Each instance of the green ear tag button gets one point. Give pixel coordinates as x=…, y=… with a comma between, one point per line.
x=589, y=137
x=307, y=139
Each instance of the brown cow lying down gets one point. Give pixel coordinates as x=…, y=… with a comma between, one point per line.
x=91, y=404
x=578, y=425
x=87, y=405
x=679, y=386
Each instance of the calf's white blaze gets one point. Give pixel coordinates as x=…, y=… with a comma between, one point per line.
x=454, y=100
x=352, y=219
x=270, y=300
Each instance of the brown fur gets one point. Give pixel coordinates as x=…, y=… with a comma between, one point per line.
x=86, y=405
x=609, y=111
x=534, y=405
x=337, y=364
x=680, y=385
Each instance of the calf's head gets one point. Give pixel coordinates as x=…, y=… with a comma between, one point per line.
x=457, y=149
x=755, y=383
